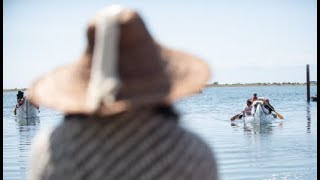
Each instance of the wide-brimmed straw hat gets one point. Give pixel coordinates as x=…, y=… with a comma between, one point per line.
x=123, y=67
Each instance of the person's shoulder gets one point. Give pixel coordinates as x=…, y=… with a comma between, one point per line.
x=202, y=156
x=41, y=139
x=40, y=153
x=197, y=142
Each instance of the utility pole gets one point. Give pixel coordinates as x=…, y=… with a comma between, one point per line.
x=308, y=84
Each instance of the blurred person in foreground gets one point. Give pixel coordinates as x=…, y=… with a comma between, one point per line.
x=117, y=99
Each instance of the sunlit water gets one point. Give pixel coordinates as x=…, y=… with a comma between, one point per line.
x=285, y=149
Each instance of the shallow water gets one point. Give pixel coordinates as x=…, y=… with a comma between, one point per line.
x=285, y=149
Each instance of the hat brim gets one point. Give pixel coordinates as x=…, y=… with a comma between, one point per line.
x=65, y=89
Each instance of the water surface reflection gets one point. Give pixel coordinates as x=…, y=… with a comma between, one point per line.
x=254, y=128
x=26, y=128
x=308, y=118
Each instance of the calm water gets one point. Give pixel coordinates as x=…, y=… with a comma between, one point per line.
x=285, y=149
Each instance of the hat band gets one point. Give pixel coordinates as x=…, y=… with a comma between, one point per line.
x=104, y=79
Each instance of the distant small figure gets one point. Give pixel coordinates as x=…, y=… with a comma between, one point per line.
x=20, y=95
x=254, y=98
x=20, y=102
x=267, y=107
x=267, y=104
x=247, y=110
x=262, y=100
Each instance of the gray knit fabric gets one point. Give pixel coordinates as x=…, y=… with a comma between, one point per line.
x=137, y=145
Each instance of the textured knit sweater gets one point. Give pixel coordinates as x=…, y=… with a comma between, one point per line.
x=139, y=145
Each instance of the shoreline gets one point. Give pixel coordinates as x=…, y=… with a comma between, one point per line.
x=15, y=89
x=251, y=85
x=213, y=85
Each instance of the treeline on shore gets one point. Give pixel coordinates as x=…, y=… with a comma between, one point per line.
x=215, y=84
x=15, y=89
x=261, y=84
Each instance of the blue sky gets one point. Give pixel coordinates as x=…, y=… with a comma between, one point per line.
x=242, y=40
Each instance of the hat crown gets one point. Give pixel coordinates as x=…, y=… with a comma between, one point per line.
x=131, y=26
x=138, y=56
